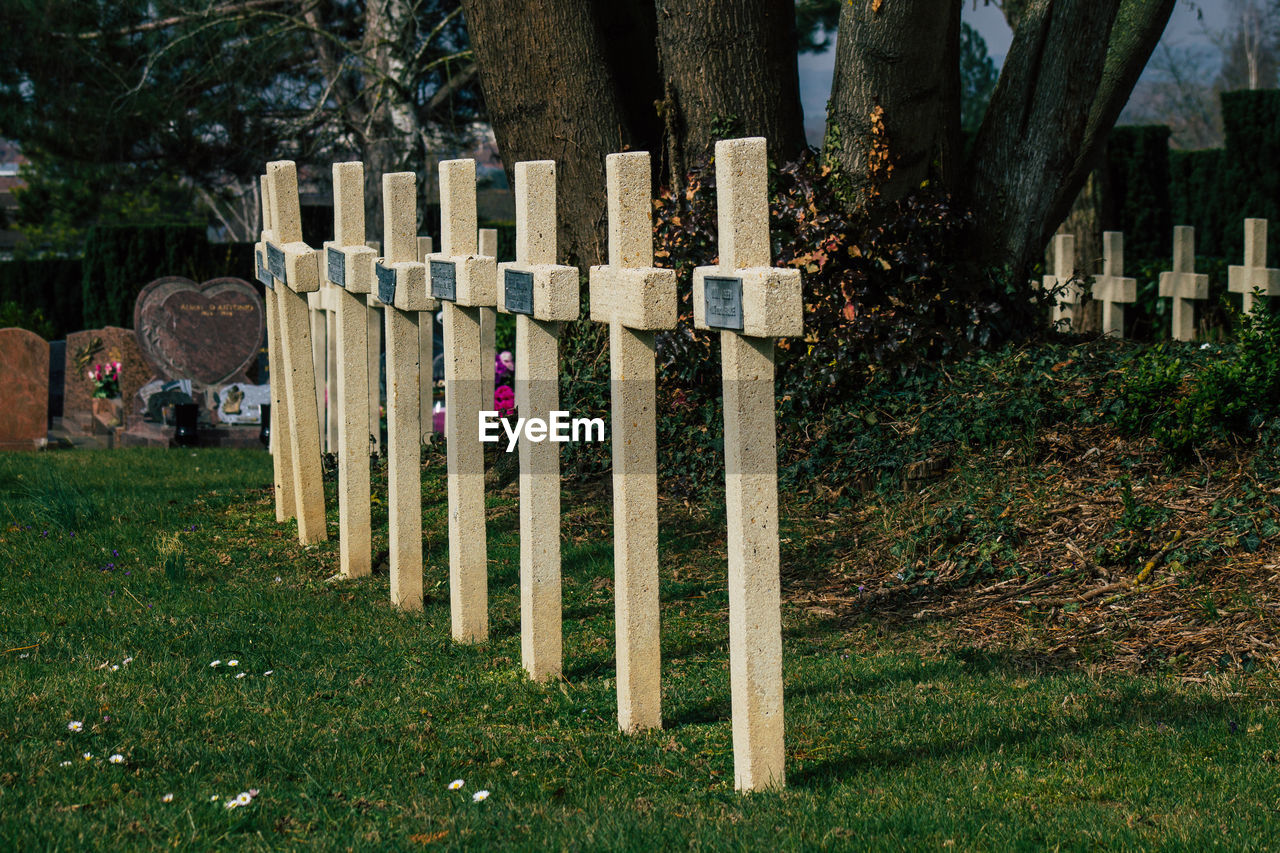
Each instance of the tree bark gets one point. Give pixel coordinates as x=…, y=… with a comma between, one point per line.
x=894, y=115
x=729, y=70
x=553, y=80
x=1072, y=66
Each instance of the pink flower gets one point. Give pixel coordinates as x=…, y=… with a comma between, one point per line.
x=504, y=400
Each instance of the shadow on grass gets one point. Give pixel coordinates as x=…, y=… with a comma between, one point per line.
x=996, y=738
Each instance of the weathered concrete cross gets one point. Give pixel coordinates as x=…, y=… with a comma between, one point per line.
x=1066, y=306
x=1184, y=285
x=751, y=303
x=281, y=449
x=542, y=294
x=349, y=269
x=1111, y=288
x=1255, y=274
x=464, y=281
x=636, y=299
x=295, y=265
x=401, y=283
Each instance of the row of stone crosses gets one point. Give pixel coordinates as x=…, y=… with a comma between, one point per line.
x=745, y=298
x=1183, y=284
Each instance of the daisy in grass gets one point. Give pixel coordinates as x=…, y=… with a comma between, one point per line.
x=65, y=764
x=240, y=675
x=88, y=756
x=243, y=799
x=456, y=784
x=116, y=759
x=479, y=796
x=216, y=663
x=268, y=672
x=75, y=726
x=233, y=662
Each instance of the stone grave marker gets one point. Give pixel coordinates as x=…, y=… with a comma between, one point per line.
x=295, y=266
x=464, y=281
x=1111, y=288
x=635, y=299
x=349, y=269
x=1254, y=274
x=750, y=303
x=24, y=388
x=401, y=285
x=542, y=294
x=488, y=239
x=208, y=333
x=426, y=355
x=1184, y=285
x=280, y=443
x=1066, y=306
x=86, y=348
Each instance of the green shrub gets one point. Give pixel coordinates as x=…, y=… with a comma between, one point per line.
x=1187, y=399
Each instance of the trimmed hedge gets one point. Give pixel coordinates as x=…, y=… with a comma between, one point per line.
x=121, y=260
x=1138, y=190
x=51, y=287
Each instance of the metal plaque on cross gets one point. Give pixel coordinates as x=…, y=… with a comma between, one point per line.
x=386, y=284
x=337, y=264
x=444, y=280
x=724, y=303
x=519, y=291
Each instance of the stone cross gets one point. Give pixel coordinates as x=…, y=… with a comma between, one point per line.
x=296, y=269
x=635, y=299
x=1255, y=274
x=1066, y=305
x=426, y=355
x=750, y=303
x=542, y=295
x=1111, y=288
x=488, y=320
x=281, y=450
x=464, y=281
x=401, y=283
x=349, y=269
x=1184, y=285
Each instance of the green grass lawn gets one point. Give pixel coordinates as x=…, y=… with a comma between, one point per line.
x=894, y=742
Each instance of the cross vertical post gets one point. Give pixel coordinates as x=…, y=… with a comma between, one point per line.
x=426, y=358
x=402, y=288
x=281, y=450
x=542, y=294
x=1184, y=285
x=488, y=320
x=464, y=281
x=316, y=307
x=1066, y=303
x=349, y=269
x=750, y=303
x=1111, y=288
x=636, y=299
x=1254, y=274
x=296, y=268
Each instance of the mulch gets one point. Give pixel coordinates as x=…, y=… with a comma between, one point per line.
x=1147, y=613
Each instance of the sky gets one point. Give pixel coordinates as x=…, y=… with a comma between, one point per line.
x=1186, y=28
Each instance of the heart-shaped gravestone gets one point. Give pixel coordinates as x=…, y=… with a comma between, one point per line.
x=209, y=333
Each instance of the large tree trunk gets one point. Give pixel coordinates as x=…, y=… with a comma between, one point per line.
x=1072, y=66
x=552, y=78
x=894, y=115
x=729, y=69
